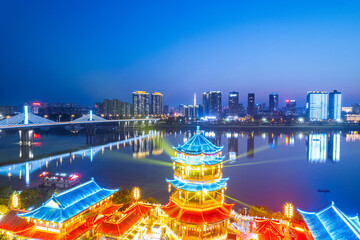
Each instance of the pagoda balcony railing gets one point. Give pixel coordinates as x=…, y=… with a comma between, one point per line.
x=201, y=204
x=198, y=178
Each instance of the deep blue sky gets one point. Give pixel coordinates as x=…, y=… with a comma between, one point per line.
x=84, y=51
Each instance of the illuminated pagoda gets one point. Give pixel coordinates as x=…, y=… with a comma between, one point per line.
x=197, y=209
x=66, y=215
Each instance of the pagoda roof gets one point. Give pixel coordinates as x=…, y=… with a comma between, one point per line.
x=12, y=223
x=198, y=144
x=63, y=206
x=269, y=229
x=198, y=216
x=331, y=223
x=195, y=187
x=130, y=217
x=195, y=161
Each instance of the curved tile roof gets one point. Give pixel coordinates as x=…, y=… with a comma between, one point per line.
x=198, y=144
x=195, y=187
x=63, y=206
x=198, y=217
x=195, y=161
x=330, y=223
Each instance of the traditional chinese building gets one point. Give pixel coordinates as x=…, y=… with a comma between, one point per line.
x=331, y=223
x=197, y=209
x=67, y=215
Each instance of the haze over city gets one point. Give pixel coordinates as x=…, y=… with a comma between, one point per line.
x=86, y=51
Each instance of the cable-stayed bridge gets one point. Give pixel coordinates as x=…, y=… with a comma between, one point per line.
x=29, y=121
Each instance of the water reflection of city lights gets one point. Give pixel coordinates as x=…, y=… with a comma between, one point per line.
x=352, y=136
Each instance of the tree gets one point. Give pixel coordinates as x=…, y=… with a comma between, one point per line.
x=150, y=200
x=3, y=209
x=123, y=196
x=278, y=215
x=29, y=198
x=3, y=237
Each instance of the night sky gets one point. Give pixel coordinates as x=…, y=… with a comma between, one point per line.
x=84, y=51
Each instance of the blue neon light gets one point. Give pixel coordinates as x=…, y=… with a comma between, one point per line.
x=195, y=187
x=331, y=223
x=63, y=206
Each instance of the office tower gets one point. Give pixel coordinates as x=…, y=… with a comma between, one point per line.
x=290, y=107
x=335, y=105
x=212, y=103
x=241, y=110
x=166, y=110
x=316, y=105
x=141, y=103
x=181, y=110
x=193, y=112
x=251, y=104
x=156, y=103
x=234, y=104
x=273, y=102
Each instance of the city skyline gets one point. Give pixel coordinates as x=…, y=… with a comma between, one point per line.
x=88, y=52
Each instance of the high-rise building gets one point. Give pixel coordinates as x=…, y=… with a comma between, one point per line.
x=251, y=104
x=166, y=109
x=212, y=103
x=156, y=103
x=290, y=107
x=335, y=105
x=234, y=104
x=192, y=113
x=273, y=102
x=316, y=105
x=141, y=103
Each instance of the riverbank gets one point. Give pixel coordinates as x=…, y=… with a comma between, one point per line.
x=258, y=127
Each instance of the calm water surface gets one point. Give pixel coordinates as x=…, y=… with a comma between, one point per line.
x=265, y=168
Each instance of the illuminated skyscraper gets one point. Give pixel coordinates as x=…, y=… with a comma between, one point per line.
x=251, y=104
x=212, y=103
x=316, y=105
x=234, y=104
x=335, y=105
x=141, y=103
x=290, y=107
x=273, y=102
x=156, y=103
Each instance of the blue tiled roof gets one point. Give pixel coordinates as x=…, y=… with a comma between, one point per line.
x=195, y=161
x=195, y=187
x=63, y=206
x=330, y=224
x=198, y=144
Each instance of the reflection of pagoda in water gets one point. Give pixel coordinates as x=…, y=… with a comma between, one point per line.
x=196, y=208
x=321, y=146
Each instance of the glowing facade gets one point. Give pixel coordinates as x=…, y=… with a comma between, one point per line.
x=197, y=209
x=317, y=105
x=331, y=223
x=335, y=105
